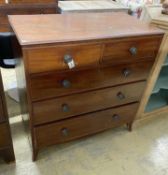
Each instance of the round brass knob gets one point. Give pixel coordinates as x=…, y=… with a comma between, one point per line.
x=69, y=61
x=115, y=117
x=120, y=95
x=126, y=72
x=66, y=83
x=133, y=50
x=65, y=108
x=65, y=132
x=67, y=58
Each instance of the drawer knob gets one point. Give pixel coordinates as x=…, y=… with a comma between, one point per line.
x=126, y=72
x=133, y=50
x=120, y=95
x=65, y=132
x=116, y=117
x=69, y=61
x=66, y=83
x=65, y=108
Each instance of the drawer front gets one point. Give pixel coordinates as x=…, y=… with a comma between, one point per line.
x=59, y=84
x=131, y=50
x=60, y=108
x=56, y=58
x=4, y=135
x=84, y=125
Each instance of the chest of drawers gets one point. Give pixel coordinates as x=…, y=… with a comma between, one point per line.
x=6, y=146
x=82, y=74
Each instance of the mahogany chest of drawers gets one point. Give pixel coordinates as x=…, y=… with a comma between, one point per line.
x=6, y=146
x=81, y=74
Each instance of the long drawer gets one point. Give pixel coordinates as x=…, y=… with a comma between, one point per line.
x=4, y=135
x=56, y=84
x=131, y=50
x=70, y=129
x=60, y=108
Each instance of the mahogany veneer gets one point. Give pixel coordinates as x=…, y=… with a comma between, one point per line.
x=81, y=74
x=42, y=86
x=84, y=125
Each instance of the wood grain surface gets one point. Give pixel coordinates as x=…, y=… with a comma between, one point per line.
x=49, y=85
x=86, y=102
x=70, y=129
x=81, y=27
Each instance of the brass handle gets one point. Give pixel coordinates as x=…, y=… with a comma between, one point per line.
x=116, y=117
x=69, y=61
x=126, y=72
x=65, y=108
x=120, y=95
x=66, y=83
x=133, y=50
x=65, y=132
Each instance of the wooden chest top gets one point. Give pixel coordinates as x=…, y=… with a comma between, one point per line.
x=44, y=29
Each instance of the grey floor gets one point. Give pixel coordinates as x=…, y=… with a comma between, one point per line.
x=144, y=151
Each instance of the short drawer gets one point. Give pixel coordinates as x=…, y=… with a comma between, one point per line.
x=57, y=58
x=4, y=135
x=74, y=128
x=59, y=84
x=65, y=107
x=131, y=50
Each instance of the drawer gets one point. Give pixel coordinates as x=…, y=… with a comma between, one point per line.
x=74, y=128
x=60, y=108
x=131, y=50
x=56, y=58
x=4, y=135
x=58, y=84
